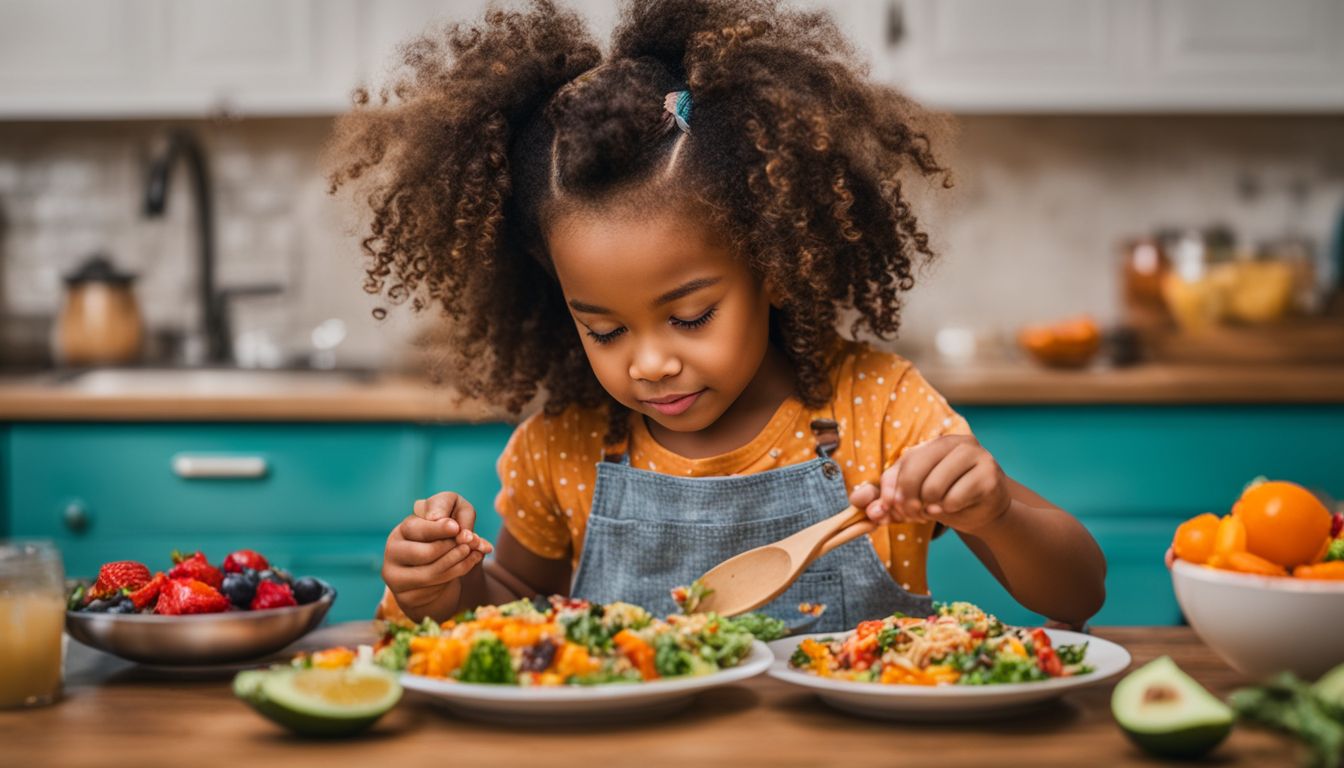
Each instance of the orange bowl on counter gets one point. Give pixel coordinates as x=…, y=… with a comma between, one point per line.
x=1067, y=344
x=1261, y=625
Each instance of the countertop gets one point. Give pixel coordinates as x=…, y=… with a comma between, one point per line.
x=115, y=713
x=125, y=395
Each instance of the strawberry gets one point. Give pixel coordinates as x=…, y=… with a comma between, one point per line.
x=180, y=596
x=245, y=558
x=195, y=567
x=150, y=592
x=273, y=594
x=114, y=577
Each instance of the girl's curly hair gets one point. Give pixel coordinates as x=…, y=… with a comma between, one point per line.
x=489, y=130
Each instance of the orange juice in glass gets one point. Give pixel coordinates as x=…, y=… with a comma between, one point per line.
x=32, y=620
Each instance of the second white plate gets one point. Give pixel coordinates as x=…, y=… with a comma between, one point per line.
x=948, y=702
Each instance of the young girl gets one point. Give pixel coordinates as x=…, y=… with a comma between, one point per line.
x=662, y=244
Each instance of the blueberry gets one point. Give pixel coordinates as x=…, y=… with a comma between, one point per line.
x=240, y=588
x=308, y=590
x=100, y=606
x=123, y=604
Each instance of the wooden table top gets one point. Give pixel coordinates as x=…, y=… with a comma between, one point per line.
x=115, y=714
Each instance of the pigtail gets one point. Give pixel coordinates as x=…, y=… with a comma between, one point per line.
x=434, y=160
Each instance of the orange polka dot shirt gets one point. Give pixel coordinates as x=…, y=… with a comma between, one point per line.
x=883, y=407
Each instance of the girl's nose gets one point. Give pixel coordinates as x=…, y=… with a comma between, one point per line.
x=653, y=363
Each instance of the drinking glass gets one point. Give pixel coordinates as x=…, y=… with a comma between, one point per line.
x=32, y=622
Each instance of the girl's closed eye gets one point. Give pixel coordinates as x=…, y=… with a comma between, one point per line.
x=605, y=338
x=696, y=322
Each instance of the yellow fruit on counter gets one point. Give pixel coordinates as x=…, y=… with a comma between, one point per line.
x=1262, y=292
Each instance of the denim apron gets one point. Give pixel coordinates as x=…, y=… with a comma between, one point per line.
x=649, y=532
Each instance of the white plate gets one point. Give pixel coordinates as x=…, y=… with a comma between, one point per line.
x=948, y=702
x=568, y=703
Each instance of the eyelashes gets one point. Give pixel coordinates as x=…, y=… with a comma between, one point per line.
x=698, y=322
x=606, y=338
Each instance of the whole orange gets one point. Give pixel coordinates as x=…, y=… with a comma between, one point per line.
x=1285, y=523
x=1193, y=541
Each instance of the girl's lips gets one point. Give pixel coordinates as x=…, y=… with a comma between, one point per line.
x=677, y=405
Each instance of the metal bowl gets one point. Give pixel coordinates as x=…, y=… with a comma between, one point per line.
x=207, y=638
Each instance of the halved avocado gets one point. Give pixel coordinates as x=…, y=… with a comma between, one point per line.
x=320, y=702
x=1329, y=692
x=1169, y=714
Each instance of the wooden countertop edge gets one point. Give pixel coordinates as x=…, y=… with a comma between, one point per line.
x=407, y=399
x=1012, y=384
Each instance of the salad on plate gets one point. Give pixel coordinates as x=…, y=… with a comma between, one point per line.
x=958, y=644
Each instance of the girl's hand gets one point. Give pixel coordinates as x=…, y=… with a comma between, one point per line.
x=950, y=480
x=430, y=551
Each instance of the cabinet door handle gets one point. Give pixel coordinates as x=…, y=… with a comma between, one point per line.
x=191, y=467
x=76, y=516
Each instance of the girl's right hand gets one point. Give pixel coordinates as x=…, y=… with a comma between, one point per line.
x=429, y=552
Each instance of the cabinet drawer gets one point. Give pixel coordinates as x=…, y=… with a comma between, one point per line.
x=109, y=480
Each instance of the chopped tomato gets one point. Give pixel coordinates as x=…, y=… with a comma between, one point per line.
x=1048, y=661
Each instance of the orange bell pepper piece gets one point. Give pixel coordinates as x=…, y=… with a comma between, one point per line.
x=1245, y=562
x=638, y=652
x=1331, y=571
x=1230, y=537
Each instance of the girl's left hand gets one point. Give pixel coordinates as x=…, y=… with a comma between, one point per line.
x=950, y=480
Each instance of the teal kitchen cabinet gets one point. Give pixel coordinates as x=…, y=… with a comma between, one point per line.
x=330, y=493
x=1132, y=474
x=318, y=499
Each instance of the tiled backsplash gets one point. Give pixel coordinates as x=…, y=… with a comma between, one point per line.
x=69, y=189
x=1030, y=232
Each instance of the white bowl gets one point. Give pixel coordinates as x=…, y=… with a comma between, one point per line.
x=1261, y=625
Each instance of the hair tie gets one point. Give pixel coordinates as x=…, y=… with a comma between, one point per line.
x=677, y=104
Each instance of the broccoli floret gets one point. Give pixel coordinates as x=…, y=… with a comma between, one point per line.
x=588, y=630
x=1336, y=550
x=488, y=661
x=723, y=643
x=761, y=626
x=669, y=657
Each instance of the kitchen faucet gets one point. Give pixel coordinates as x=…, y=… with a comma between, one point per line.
x=214, y=303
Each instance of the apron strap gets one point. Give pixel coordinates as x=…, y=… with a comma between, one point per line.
x=826, y=432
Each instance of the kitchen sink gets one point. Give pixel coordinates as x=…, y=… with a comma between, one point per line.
x=207, y=381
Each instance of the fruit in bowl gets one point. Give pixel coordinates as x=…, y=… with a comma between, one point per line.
x=1264, y=585
x=195, y=613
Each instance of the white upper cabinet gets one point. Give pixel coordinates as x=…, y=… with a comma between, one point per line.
x=1118, y=55
x=198, y=58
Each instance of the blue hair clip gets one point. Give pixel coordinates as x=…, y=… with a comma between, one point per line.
x=678, y=105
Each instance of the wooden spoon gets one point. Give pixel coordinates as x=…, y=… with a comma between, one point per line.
x=753, y=578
